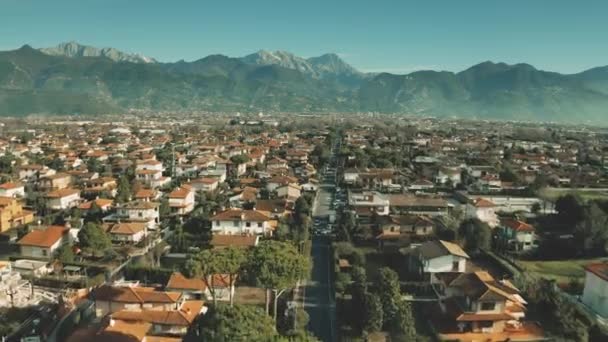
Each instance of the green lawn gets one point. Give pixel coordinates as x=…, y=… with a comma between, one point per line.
x=553, y=194
x=561, y=270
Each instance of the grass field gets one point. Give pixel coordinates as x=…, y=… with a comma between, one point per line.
x=563, y=271
x=553, y=194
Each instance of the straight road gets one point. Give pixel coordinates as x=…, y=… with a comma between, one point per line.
x=319, y=295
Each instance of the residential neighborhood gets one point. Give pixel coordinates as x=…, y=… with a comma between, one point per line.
x=318, y=228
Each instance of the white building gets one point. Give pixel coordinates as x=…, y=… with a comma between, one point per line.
x=44, y=243
x=181, y=200
x=238, y=221
x=438, y=256
x=595, y=294
x=369, y=202
x=12, y=190
x=63, y=199
x=484, y=210
x=140, y=211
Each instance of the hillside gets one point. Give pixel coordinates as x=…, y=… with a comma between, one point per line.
x=35, y=82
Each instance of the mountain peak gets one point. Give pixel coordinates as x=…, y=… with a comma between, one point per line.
x=329, y=64
x=74, y=49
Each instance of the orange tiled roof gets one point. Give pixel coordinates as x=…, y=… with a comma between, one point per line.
x=43, y=238
x=178, y=281
x=182, y=317
x=134, y=295
x=128, y=228
x=240, y=214
x=62, y=193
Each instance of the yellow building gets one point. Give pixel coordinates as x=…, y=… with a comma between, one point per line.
x=12, y=214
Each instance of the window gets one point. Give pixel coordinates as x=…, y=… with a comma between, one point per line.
x=260, y=224
x=488, y=306
x=140, y=214
x=455, y=265
x=217, y=223
x=248, y=224
x=235, y=223
x=486, y=324
x=44, y=252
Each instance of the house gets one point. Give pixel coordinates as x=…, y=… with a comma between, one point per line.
x=518, y=235
x=274, y=208
x=181, y=200
x=418, y=205
x=110, y=299
x=128, y=232
x=54, y=182
x=175, y=322
x=290, y=191
x=368, y=203
x=595, y=293
x=239, y=221
x=197, y=288
x=12, y=214
x=146, y=195
x=32, y=171
x=190, y=288
x=277, y=181
x=245, y=195
x=205, y=184
x=437, y=256
x=62, y=199
x=11, y=189
x=140, y=211
x=276, y=164
x=482, y=209
x=477, y=303
x=43, y=243
x=103, y=204
x=405, y=225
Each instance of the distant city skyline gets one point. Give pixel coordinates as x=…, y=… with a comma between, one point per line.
x=383, y=36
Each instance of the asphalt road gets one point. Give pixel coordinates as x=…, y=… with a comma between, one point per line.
x=319, y=296
x=319, y=299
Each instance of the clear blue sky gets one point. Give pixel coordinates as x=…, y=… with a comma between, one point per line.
x=373, y=35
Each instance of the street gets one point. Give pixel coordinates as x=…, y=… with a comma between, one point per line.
x=319, y=300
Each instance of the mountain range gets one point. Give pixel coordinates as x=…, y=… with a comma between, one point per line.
x=73, y=78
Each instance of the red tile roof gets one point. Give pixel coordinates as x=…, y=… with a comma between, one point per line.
x=43, y=238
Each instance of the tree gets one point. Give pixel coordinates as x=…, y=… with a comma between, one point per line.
x=373, y=315
x=164, y=210
x=404, y=324
x=94, y=239
x=570, y=209
x=475, y=234
x=94, y=214
x=223, y=323
x=123, y=191
x=65, y=254
x=592, y=233
x=232, y=260
x=277, y=266
x=389, y=292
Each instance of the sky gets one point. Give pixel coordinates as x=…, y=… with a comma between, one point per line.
x=397, y=36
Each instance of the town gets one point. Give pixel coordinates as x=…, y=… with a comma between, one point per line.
x=161, y=227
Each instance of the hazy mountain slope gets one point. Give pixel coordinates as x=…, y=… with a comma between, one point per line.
x=595, y=78
x=34, y=82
